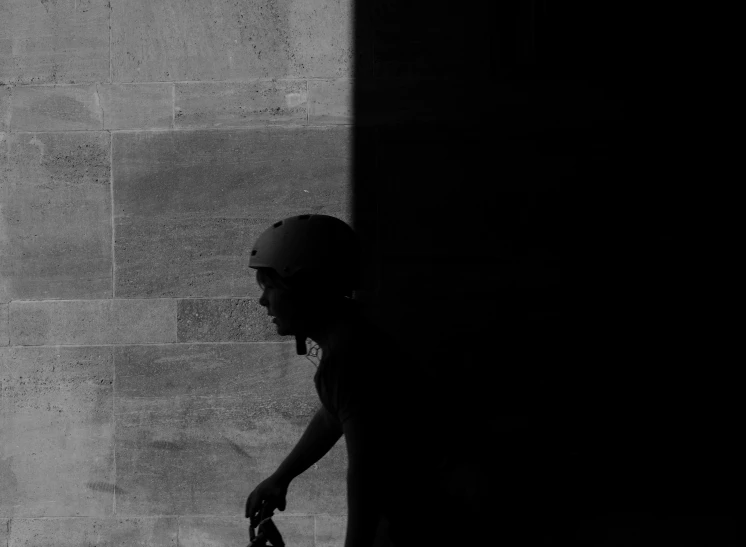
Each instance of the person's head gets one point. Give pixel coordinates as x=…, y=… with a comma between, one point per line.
x=304, y=303
x=308, y=268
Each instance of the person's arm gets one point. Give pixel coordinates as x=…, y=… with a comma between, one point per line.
x=364, y=496
x=320, y=436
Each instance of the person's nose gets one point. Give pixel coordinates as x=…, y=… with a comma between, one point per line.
x=263, y=300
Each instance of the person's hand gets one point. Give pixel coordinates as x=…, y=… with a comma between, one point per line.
x=269, y=495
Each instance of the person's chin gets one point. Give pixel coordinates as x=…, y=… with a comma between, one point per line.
x=282, y=328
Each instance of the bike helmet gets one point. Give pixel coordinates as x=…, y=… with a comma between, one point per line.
x=311, y=245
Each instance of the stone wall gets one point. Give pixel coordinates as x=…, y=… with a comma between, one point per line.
x=143, y=148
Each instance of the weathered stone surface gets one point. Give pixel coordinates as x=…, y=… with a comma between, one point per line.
x=330, y=530
x=55, y=220
x=190, y=204
x=225, y=40
x=4, y=332
x=60, y=41
x=137, y=106
x=88, y=322
x=5, y=260
x=201, y=531
x=101, y=532
x=4, y=525
x=5, y=96
x=56, y=442
x=198, y=426
x=228, y=104
x=330, y=101
x=224, y=320
x=56, y=108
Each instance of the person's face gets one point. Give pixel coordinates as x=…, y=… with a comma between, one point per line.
x=279, y=306
x=297, y=315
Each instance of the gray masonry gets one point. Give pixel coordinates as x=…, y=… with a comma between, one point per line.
x=143, y=148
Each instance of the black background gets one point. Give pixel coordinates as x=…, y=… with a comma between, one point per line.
x=538, y=254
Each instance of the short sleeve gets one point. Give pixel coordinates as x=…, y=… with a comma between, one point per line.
x=345, y=386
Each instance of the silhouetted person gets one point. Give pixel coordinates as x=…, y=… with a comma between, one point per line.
x=397, y=434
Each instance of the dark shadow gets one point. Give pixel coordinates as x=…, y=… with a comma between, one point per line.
x=505, y=199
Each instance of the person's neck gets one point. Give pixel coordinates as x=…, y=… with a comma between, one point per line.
x=328, y=329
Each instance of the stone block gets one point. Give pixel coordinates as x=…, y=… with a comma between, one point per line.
x=225, y=40
x=5, y=96
x=240, y=104
x=137, y=106
x=56, y=438
x=89, y=322
x=330, y=530
x=190, y=204
x=60, y=41
x=201, y=531
x=4, y=526
x=5, y=263
x=224, y=320
x=330, y=101
x=56, y=108
x=101, y=532
x=55, y=220
x=4, y=331
x=323, y=38
x=198, y=426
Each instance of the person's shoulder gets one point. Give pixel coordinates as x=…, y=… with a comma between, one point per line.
x=360, y=348
x=351, y=334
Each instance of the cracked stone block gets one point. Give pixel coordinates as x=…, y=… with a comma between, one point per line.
x=200, y=425
x=56, y=439
x=54, y=41
x=55, y=222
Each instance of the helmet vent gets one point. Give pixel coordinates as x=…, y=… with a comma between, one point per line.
x=304, y=217
x=253, y=252
x=277, y=224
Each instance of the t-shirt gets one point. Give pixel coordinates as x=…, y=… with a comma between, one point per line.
x=369, y=374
